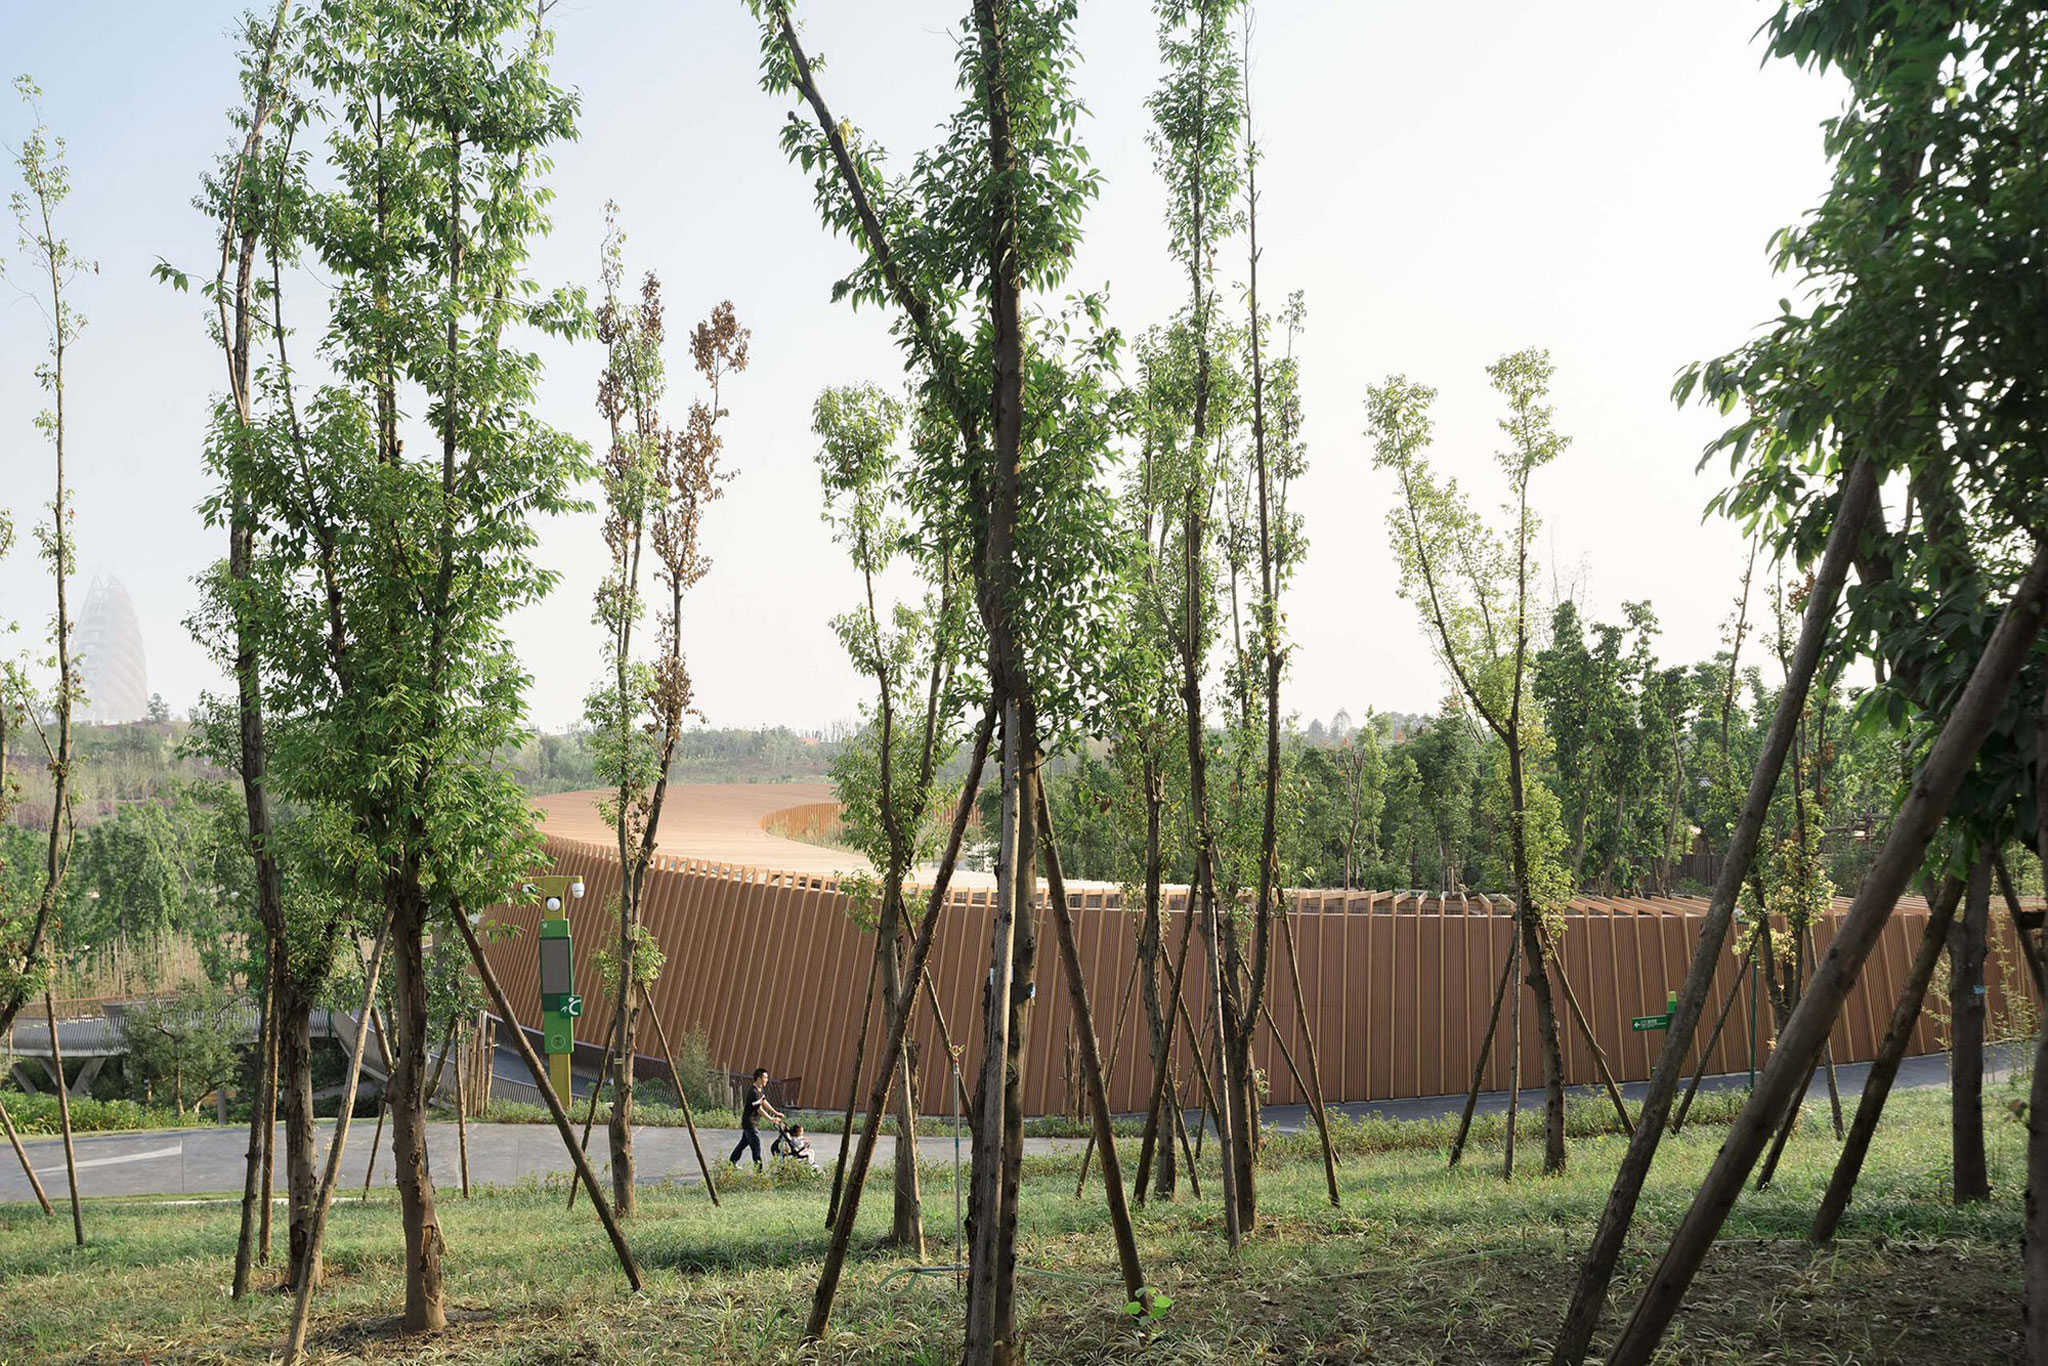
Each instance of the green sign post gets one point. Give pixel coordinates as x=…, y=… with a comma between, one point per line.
x=560, y=1006
x=1642, y=1023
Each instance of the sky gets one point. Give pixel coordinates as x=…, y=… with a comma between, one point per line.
x=1446, y=181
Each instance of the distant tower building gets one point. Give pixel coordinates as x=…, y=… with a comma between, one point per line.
x=111, y=663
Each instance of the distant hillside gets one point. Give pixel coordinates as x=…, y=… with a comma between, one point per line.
x=563, y=763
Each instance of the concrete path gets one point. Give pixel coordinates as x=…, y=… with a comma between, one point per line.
x=194, y=1162
x=209, y=1161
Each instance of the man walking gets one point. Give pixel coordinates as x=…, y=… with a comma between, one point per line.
x=751, y=1110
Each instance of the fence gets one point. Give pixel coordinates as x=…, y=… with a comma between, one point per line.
x=771, y=968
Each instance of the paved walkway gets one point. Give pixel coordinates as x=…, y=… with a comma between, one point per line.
x=191, y=1162
x=195, y=1162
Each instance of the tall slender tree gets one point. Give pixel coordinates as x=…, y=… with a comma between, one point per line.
x=958, y=248
x=1197, y=122
x=888, y=774
x=49, y=268
x=657, y=483
x=394, y=684
x=1472, y=587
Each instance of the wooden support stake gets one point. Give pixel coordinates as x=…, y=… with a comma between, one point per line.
x=1571, y=998
x=1720, y=1023
x=1091, y=1057
x=21, y=1154
x=1884, y=1069
x=675, y=1075
x=1500, y=990
x=64, y=1118
x=860, y=1048
x=461, y=1124
x=295, y=1344
x=556, y=1111
x=590, y=1115
x=2029, y=950
x=1115, y=1046
x=1315, y=1076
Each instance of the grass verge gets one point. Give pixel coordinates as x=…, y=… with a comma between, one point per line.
x=1420, y=1264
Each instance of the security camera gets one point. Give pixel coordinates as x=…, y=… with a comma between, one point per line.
x=576, y=889
x=553, y=903
x=528, y=889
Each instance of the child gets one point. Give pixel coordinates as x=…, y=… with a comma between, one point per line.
x=792, y=1143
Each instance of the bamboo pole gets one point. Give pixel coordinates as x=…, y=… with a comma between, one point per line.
x=295, y=1343
x=1115, y=1046
x=64, y=1118
x=1948, y=762
x=383, y=1097
x=1707, y=1052
x=461, y=1125
x=1571, y=999
x=675, y=1075
x=1596, y=1272
x=548, y=1097
x=1500, y=991
x=2029, y=950
x=1877, y=1087
x=590, y=1115
x=269, y=1148
x=21, y=1154
x=1315, y=1075
x=878, y=1096
x=860, y=1048
x=1091, y=1057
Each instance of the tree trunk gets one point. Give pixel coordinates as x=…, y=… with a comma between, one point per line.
x=906, y=1228
x=984, y=1205
x=1589, y=1295
x=1162, y=1049
x=405, y=1092
x=1967, y=934
x=301, y=1175
x=1536, y=966
x=1023, y=989
x=1898, y=1036
x=259, y=1117
x=1905, y=847
x=625, y=1040
x=2034, y=1238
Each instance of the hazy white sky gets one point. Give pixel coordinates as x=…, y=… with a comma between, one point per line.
x=1446, y=181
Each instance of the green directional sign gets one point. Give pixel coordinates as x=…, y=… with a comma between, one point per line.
x=1642, y=1023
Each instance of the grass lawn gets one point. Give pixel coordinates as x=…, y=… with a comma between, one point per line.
x=1420, y=1265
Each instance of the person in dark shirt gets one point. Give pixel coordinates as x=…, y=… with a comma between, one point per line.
x=751, y=1110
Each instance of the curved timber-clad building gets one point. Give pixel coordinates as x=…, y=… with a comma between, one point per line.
x=112, y=665
x=766, y=962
